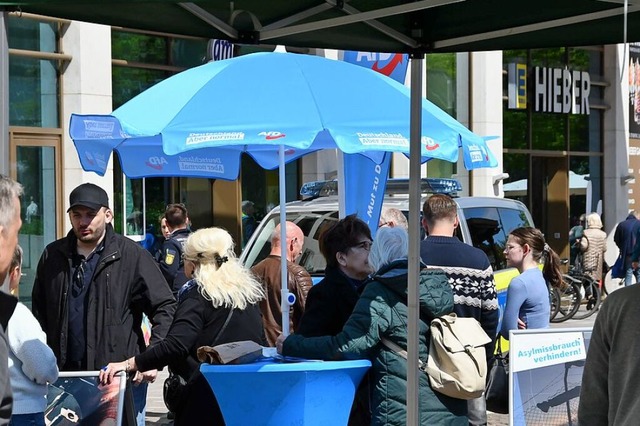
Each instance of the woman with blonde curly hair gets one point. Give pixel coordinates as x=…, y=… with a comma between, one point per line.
x=219, y=304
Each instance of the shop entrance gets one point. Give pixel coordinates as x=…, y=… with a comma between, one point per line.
x=549, y=200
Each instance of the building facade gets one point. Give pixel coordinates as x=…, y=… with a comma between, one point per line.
x=561, y=118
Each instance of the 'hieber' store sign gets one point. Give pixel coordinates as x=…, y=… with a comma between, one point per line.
x=557, y=90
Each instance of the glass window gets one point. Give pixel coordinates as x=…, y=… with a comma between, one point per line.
x=311, y=224
x=441, y=81
x=515, y=125
x=487, y=234
x=29, y=34
x=516, y=187
x=129, y=82
x=188, y=53
x=136, y=47
x=548, y=131
x=489, y=228
x=33, y=92
x=36, y=171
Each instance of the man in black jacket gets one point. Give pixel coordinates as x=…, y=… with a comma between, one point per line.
x=10, y=222
x=91, y=290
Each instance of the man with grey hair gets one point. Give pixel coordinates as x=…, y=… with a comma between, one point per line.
x=299, y=281
x=10, y=223
x=391, y=217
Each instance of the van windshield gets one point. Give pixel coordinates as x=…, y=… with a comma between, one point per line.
x=311, y=223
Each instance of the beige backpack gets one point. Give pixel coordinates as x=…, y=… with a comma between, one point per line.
x=457, y=364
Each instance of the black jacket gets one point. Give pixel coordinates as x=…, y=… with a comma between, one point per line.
x=170, y=259
x=197, y=323
x=329, y=305
x=127, y=283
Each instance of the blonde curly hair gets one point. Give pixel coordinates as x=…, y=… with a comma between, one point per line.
x=221, y=277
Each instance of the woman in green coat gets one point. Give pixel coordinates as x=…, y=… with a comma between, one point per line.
x=381, y=312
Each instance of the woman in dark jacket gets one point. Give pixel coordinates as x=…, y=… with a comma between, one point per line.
x=220, y=288
x=381, y=312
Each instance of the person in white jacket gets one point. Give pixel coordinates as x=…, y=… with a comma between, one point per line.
x=32, y=363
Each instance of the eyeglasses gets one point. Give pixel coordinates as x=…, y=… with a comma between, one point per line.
x=366, y=245
x=383, y=224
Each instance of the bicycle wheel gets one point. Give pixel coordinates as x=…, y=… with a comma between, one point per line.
x=554, y=301
x=569, y=299
x=592, y=297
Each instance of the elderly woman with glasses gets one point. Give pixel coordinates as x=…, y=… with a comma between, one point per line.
x=381, y=313
x=345, y=246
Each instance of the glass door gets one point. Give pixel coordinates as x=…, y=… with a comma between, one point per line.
x=35, y=163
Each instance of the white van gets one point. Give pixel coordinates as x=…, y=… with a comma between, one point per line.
x=485, y=222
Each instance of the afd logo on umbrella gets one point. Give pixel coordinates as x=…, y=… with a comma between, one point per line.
x=272, y=135
x=429, y=144
x=156, y=163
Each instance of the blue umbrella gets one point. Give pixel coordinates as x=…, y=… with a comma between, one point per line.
x=298, y=101
x=271, y=104
x=96, y=137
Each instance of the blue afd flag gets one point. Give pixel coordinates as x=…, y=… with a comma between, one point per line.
x=365, y=180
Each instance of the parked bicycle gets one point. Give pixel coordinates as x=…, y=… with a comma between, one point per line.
x=565, y=299
x=591, y=291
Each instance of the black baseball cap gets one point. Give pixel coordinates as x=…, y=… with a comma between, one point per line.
x=88, y=195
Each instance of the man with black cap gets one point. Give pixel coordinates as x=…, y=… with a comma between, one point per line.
x=92, y=288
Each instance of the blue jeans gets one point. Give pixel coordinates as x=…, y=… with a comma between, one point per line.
x=30, y=419
x=140, y=402
x=628, y=279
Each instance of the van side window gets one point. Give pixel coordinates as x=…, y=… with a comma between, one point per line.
x=489, y=228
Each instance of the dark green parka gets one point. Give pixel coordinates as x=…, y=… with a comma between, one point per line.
x=381, y=312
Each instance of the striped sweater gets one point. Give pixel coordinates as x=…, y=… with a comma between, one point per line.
x=471, y=278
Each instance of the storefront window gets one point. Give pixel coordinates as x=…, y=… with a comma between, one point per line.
x=515, y=125
x=548, y=131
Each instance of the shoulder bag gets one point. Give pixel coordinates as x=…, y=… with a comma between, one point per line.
x=173, y=391
x=497, y=390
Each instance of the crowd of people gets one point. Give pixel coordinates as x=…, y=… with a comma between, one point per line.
x=94, y=287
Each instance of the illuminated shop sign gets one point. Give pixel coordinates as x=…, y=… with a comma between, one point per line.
x=555, y=90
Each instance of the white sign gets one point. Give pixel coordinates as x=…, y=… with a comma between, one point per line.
x=542, y=350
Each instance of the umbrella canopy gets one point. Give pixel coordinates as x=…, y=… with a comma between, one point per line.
x=260, y=101
x=271, y=104
x=369, y=25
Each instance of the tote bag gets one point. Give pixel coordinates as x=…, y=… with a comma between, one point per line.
x=497, y=390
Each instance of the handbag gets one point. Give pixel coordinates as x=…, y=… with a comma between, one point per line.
x=617, y=270
x=497, y=390
x=175, y=386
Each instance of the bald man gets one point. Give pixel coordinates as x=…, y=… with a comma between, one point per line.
x=299, y=282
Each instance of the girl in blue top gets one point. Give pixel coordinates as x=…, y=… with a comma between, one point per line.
x=528, y=303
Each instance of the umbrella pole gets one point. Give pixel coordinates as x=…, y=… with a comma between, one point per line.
x=283, y=242
x=413, y=412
